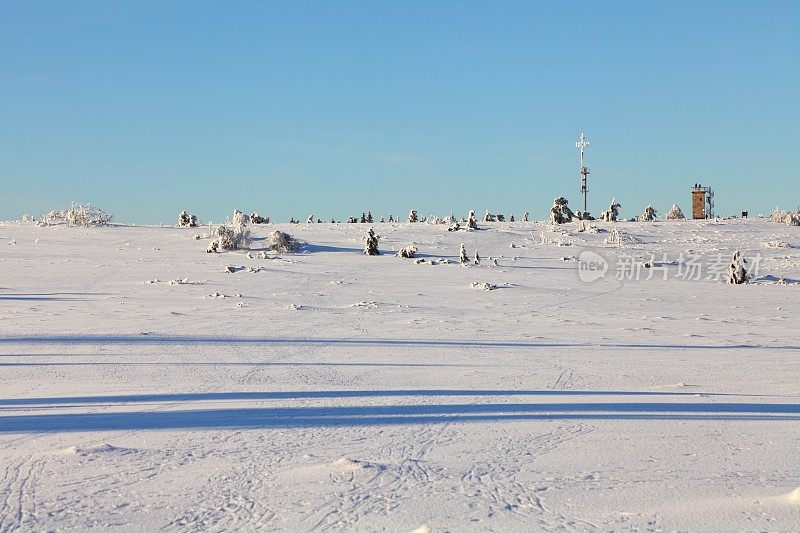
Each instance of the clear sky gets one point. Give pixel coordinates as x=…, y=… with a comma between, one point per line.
x=333, y=108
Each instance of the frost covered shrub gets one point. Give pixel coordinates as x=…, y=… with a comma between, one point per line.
x=255, y=218
x=649, y=214
x=471, y=222
x=78, y=215
x=737, y=272
x=185, y=220
x=488, y=217
x=239, y=218
x=408, y=252
x=282, y=242
x=525, y=217
x=412, y=216
x=371, y=243
x=785, y=217
x=675, y=213
x=560, y=213
x=235, y=238
x=612, y=213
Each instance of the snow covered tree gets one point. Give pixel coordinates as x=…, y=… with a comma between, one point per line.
x=511, y=219
x=185, y=220
x=560, y=213
x=310, y=219
x=649, y=214
x=371, y=243
x=408, y=252
x=391, y=218
x=737, y=272
x=675, y=213
x=471, y=222
x=363, y=219
x=369, y=217
x=239, y=218
x=382, y=220
x=525, y=217
x=412, y=216
x=477, y=258
x=612, y=213
x=462, y=255
x=500, y=218
x=488, y=217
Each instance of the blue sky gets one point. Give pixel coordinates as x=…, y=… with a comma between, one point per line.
x=333, y=108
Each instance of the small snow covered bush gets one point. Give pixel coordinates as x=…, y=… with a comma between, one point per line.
x=525, y=217
x=737, y=272
x=618, y=238
x=408, y=252
x=255, y=218
x=412, y=216
x=235, y=238
x=282, y=242
x=649, y=214
x=78, y=215
x=371, y=243
x=785, y=217
x=612, y=213
x=560, y=213
x=675, y=213
x=239, y=218
x=185, y=220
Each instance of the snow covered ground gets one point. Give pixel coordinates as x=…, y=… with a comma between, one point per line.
x=142, y=387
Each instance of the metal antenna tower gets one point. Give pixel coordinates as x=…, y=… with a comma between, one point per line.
x=582, y=144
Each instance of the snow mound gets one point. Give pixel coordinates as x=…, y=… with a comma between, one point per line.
x=86, y=451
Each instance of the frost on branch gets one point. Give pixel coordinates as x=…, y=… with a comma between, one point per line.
x=371, y=243
x=408, y=252
x=560, y=213
x=282, y=242
x=185, y=220
x=675, y=213
x=612, y=213
x=737, y=272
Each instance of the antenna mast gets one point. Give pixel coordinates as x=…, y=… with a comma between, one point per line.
x=582, y=144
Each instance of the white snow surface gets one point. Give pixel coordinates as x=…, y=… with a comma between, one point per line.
x=327, y=390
